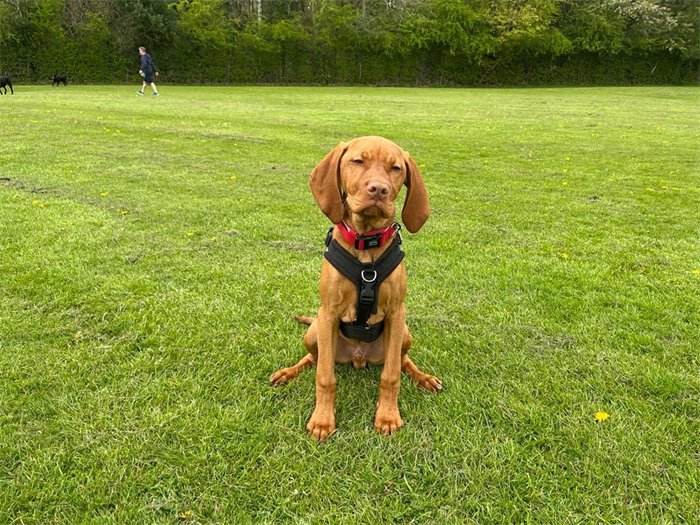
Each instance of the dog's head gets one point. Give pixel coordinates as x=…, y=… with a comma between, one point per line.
x=362, y=178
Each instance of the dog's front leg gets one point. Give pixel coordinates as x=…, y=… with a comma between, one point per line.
x=322, y=422
x=388, y=418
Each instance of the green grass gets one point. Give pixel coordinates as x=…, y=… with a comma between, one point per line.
x=153, y=251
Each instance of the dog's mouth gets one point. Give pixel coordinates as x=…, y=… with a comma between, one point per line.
x=374, y=209
x=369, y=207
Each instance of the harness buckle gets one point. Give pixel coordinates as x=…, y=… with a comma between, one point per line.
x=329, y=236
x=367, y=294
x=397, y=228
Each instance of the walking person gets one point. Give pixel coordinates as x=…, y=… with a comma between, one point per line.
x=148, y=69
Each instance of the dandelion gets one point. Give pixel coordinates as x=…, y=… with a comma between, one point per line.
x=565, y=170
x=601, y=416
x=696, y=271
x=104, y=193
x=564, y=183
x=564, y=255
x=213, y=239
x=232, y=177
x=38, y=203
x=187, y=515
x=190, y=234
x=123, y=212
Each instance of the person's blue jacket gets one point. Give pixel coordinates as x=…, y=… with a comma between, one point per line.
x=147, y=65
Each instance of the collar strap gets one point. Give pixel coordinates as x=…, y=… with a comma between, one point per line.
x=370, y=239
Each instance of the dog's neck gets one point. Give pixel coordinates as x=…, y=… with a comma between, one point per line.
x=368, y=244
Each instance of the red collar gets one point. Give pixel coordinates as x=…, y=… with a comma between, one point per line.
x=370, y=239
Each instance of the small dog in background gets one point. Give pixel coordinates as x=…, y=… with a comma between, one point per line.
x=58, y=78
x=5, y=82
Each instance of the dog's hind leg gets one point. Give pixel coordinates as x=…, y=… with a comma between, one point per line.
x=424, y=380
x=285, y=375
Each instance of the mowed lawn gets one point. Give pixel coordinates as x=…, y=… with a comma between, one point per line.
x=154, y=250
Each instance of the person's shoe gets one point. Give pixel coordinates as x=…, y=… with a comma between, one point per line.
x=139, y=92
x=156, y=94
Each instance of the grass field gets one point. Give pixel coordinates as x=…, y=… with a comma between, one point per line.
x=153, y=251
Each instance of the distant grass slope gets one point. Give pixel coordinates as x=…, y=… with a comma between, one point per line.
x=153, y=251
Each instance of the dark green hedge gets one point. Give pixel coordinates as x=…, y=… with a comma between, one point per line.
x=358, y=42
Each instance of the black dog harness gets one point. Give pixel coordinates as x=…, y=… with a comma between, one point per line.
x=366, y=277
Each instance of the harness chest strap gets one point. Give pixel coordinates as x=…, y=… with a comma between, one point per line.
x=367, y=277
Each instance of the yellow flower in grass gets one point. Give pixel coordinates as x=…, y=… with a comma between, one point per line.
x=232, y=177
x=123, y=212
x=696, y=271
x=38, y=203
x=564, y=255
x=190, y=234
x=601, y=416
x=104, y=193
x=564, y=183
x=213, y=239
x=187, y=515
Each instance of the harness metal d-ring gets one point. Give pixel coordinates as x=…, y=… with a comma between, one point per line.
x=369, y=280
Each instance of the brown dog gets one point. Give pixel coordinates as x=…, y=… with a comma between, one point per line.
x=356, y=185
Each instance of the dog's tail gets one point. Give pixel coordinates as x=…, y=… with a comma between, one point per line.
x=304, y=319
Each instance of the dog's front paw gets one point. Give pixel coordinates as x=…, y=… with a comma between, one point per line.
x=321, y=425
x=387, y=421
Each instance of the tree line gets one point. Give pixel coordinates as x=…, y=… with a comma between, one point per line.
x=379, y=42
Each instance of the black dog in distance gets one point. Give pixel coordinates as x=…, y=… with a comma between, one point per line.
x=5, y=82
x=58, y=78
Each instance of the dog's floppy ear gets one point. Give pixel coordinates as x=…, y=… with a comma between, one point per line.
x=416, y=209
x=325, y=184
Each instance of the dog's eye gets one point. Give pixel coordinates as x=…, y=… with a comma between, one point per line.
x=358, y=161
x=396, y=168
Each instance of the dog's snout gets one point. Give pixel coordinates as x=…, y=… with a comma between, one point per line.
x=378, y=189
